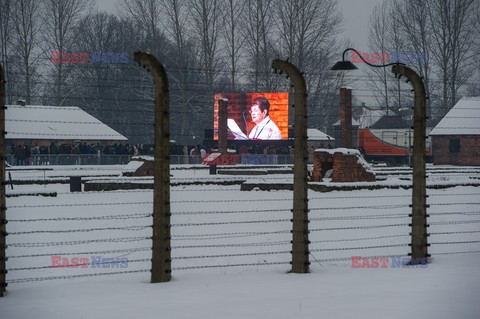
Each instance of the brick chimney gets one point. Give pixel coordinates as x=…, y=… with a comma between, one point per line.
x=346, y=116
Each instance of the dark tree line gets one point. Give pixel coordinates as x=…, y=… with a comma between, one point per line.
x=207, y=46
x=447, y=31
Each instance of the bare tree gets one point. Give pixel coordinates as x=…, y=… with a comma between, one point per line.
x=175, y=23
x=462, y=43
x=233, y=38
x=146, y=16
x=452, y=24
x=307, y=30
x=60, y=17
x=206, y=21
x=474, y=85
x=26, y=17
x=414, y=24
x=318, y=27
x=442, y=30
x=380, y=44
x=6, y=27
x=98, y=32
x=176, y=18
x=183, y=70
x=305, y=27
x=258, y=28
x=107, y=89
x=394, y=31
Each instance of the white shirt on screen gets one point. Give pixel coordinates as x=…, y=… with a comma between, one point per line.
x=265, y=130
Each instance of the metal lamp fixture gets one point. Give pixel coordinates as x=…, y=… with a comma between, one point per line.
x=348, y=65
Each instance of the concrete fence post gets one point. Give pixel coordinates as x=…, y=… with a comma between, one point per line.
x=300, y=242
x=161, y=256
x=419, y=205
x=3, y=207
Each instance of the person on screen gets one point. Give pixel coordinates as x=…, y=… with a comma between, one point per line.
x=265, y=128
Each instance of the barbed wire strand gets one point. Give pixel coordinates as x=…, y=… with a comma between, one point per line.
x=23, y=280
x=130, y=250
x=107, y=217
x=80, y=265
x=80, y=242
x=85, y=230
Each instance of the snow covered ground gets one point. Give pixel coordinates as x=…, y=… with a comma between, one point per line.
x=231, y=250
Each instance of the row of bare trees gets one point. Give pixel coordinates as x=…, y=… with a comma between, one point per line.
x=448, y=31
x=29, y=29
x=207, y=46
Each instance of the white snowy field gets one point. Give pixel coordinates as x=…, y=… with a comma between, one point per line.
x=248, y=235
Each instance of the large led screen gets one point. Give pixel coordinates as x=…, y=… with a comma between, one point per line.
x=254, y=116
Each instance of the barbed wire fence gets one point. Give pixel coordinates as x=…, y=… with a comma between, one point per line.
x=213, y=236
x=207, y=233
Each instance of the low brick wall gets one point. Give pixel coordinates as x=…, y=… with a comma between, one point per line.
x=112, y=185
x=322, y=162
x=323, y=188
x=347, y=165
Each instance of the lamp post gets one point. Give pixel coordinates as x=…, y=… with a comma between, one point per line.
x=419, y=206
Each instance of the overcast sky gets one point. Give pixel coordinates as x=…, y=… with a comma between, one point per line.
x=356, y=15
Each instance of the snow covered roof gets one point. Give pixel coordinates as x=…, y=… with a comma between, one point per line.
x=54, y=122
x=390, y=122
x=354, y=122
x=369, y=116
x=462, y=119
x=317, y=135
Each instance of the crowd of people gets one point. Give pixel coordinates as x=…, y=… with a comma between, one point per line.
x=24, y=154
x=91, y=153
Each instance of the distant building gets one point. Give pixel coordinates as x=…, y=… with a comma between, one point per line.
x=456, y=138
x=390, y=122
x=44, y=125
x=366, y=116
x=318, y=139
x=389, y=139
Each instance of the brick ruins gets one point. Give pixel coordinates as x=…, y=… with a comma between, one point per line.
x=347, y=165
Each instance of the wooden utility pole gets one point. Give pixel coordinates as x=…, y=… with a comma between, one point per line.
x=419, y=190
x=3, y=206
x=222, y=125
x=300, y=251
x=161, y=257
